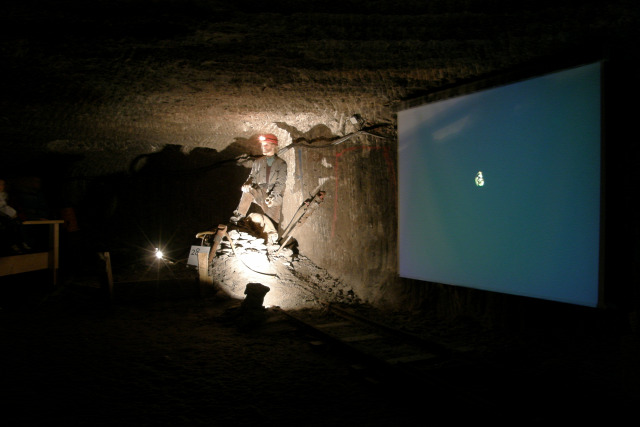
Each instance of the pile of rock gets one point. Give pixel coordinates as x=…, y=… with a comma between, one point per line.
x=242, y=242
x=245, y=242
x=293, y=280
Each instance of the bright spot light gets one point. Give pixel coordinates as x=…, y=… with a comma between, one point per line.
x=159, y=253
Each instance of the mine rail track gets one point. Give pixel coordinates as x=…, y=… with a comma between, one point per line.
x=434, y=375
x=388, y=353
x=381, y=354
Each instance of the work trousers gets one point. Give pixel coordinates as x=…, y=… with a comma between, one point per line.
x=257, y=196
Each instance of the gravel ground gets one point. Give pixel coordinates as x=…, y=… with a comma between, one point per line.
x=76, y=360
x=163, y=352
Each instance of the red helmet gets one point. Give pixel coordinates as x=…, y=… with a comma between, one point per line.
x=269, y=137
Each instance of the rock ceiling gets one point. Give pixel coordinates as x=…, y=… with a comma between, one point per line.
x=122, y=77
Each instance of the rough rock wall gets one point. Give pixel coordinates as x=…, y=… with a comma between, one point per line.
x=134, y=104
x=353, y=232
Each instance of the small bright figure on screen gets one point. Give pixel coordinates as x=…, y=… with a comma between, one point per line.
x=479, y=179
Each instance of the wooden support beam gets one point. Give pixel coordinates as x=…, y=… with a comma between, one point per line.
x=107, y=261
x=203, y=272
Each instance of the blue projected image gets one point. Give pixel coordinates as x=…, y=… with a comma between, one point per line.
x=500, y=189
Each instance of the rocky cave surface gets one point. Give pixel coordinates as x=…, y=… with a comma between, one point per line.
x=162, y=87
x=123, y=78
x=141, y=115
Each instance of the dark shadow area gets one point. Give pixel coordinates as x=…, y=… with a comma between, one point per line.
x=163, y=200
x=25, y=291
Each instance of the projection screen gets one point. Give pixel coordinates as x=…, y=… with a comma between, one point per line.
x=499, y=189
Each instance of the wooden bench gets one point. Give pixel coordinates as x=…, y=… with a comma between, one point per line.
x=24, y=263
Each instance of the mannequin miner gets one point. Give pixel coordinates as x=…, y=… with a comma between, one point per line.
x=265, y=184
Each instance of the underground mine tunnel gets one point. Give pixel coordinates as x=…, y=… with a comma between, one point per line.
x=131, y=127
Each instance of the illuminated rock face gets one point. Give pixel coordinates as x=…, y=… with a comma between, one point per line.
x=286, y=278
x=139, y=118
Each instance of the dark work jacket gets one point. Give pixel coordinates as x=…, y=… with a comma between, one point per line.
x=275, y=186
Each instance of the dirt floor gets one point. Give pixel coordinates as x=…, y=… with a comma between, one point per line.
x=163, y=352
x=177, y=360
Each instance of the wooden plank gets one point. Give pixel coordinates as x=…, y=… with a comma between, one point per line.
x=357, y=338
x=54, y=259
x=43, y=221
x=17, y=264
x=412, y=358
x=332, y=325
